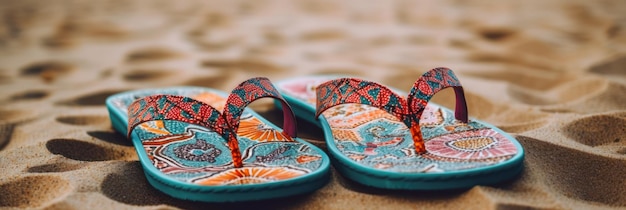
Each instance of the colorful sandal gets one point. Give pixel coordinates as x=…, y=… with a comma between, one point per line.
x=182, y=140
x=380, y=139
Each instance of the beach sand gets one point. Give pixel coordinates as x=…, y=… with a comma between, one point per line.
x=551, y=73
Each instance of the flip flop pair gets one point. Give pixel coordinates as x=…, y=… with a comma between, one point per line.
x=379, y=138
x=202, y=144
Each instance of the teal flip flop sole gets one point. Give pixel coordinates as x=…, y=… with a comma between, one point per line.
x=373, y=148
x=191, y=162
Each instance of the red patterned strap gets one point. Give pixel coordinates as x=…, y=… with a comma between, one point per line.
x=251, y=90
x=244, y=94
x=409, y=111
x=185, y=109
x=171, y=107
x=351, y=90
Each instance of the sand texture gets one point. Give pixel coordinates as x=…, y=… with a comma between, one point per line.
x=551, y=73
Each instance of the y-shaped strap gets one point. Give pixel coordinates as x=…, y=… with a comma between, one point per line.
x=423, y=90
x=184, y=109
x=409, y=111
x=251, y=90
x=244, y=94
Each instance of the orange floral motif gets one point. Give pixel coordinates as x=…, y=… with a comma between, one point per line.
x=307, y=158
x=250, y=175
x=256, y=130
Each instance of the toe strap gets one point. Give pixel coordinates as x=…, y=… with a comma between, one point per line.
x=171, y=107
x=244, y=94
x=248, y=92
x=423, y=90
x=428, y=85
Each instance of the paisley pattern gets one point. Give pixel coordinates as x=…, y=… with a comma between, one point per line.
x=185, y=139
x=369, y=125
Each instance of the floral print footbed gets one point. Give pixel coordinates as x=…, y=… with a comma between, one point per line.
x=195, y=154
x=377, y=139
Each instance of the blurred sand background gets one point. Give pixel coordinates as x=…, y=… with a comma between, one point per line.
x=552, y=73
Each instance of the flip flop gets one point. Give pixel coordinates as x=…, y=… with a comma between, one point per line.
x=378, y=138
x=190, y=149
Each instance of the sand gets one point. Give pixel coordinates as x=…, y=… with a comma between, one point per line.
x=551, y=73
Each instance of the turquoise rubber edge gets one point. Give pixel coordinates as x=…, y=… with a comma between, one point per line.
x=236, y=193
x=488, y=175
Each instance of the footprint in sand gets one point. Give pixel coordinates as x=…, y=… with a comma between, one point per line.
x=79, y=151
x=131, y=187
x=82, y=120
x=33, y=191
x=244, y=64
x=612, y=67
x=9, y=119
x=85, y=151
x=607, y=132
x=48, y=70
x=96, y=121
x=577, y=174
x=29, y=95
x=153, y=54
x=6, y=131
x=56, y=167
x=147, y=75
x=111, y=137
x=496, y=34
x=92, y=99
